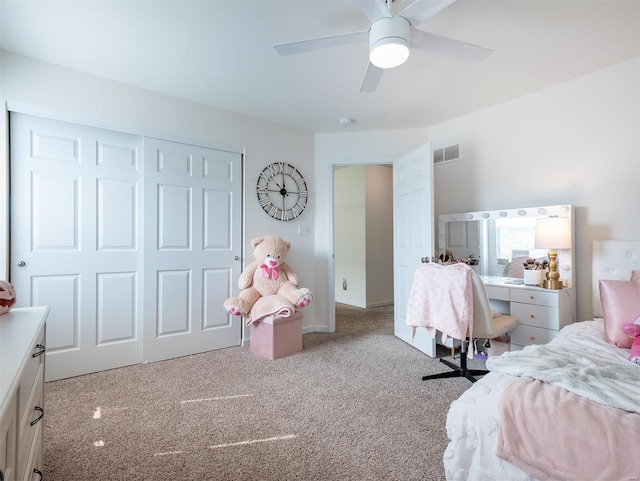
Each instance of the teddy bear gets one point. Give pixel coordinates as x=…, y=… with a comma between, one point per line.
x=268, y=274
x=633, y=329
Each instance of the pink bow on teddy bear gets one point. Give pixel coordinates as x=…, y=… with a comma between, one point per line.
x=633, y=329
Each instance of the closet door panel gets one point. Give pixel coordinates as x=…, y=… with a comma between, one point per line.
x=75, y=240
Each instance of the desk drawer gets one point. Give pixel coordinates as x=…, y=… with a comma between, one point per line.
x=526, y=335
x=536, y=316
x=497, y=293
x=535, y=296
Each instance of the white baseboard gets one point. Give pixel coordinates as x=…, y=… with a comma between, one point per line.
x=380, y=304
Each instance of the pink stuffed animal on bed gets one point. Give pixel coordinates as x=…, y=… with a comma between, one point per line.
x=633, y=329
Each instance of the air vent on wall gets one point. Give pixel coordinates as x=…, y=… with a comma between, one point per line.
x=446, y=154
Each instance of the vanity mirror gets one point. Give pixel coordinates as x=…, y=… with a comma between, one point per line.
x=499, y=241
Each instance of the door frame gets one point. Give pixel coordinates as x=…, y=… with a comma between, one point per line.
x=358, y=161
x=53, y=114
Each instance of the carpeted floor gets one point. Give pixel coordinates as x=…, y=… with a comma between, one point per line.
x=350, y=406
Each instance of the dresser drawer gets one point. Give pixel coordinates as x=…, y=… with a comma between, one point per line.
x=29, y=373
x=526, y=335
x=31, y=421
x=8, y=436
x=537, y=316
x=498, y=293
x=34, y=462
x=535, y=296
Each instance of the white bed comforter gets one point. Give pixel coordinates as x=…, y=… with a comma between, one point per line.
x=579, y=361
x=473, y=421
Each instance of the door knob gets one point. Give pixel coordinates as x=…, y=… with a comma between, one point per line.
x=21, y=263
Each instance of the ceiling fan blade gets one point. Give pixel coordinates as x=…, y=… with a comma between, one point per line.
x=420, y=10
x=371, y=78
x=374, y=9
x=448, y=47
x=322, y=42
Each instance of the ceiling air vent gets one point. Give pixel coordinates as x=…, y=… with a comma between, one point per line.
x=446, y=154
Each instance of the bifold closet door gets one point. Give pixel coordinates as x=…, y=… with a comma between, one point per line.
x=134, y=251
x=75, y=240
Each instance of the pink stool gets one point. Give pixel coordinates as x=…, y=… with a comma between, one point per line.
x=276, y=337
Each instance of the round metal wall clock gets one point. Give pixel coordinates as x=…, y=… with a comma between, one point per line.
x=282, y=191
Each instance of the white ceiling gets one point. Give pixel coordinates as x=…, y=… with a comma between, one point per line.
x=220, y=53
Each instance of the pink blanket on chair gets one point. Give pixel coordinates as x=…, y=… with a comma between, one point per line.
x=441, y=299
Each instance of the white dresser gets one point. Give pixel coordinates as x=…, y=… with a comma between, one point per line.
x=22, y=341
x=541, y=313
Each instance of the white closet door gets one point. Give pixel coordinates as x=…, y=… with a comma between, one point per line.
x=412, y=235
x=120, y=267
x=75, y=240
x=192, y=238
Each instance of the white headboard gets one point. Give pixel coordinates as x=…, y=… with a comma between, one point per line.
x=612, y=260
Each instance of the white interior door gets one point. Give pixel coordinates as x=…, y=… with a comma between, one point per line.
x=192, y=248
x=75, y=240
x=412, y=235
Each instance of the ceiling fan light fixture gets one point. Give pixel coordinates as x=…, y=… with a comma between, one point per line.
x=389, y=42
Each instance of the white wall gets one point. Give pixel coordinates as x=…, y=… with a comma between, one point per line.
x=379, y=235
x=585, y=132
x=350, y=206
x=578, y=143
x=4, y=180
x=69, y=95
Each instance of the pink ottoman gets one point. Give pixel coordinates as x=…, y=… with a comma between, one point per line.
x=276, y=337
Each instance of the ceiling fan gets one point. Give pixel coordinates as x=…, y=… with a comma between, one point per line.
x=390, y=37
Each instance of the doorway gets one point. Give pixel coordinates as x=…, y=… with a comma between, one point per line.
x=412, y=230
x=363, y=235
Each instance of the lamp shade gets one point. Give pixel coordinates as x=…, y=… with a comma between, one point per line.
x=553, y=233
x=389, y=42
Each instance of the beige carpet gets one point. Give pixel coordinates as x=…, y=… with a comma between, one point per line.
x=350, y=406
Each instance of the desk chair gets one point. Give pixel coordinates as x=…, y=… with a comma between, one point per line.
x=485, y=326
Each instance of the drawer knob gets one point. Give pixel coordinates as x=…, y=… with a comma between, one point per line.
x=533, y=338
x=532, y=297
x=40, y=352
x=37, y=420
x=532, y=316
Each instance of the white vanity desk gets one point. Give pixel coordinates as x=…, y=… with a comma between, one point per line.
x=541, y=313
x=498, y=238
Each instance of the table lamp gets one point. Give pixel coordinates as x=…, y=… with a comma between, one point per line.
x=553, y=233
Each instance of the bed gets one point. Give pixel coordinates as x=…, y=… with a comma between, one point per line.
x=562, y=411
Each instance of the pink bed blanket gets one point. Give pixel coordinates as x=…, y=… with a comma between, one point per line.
x=553, y=434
